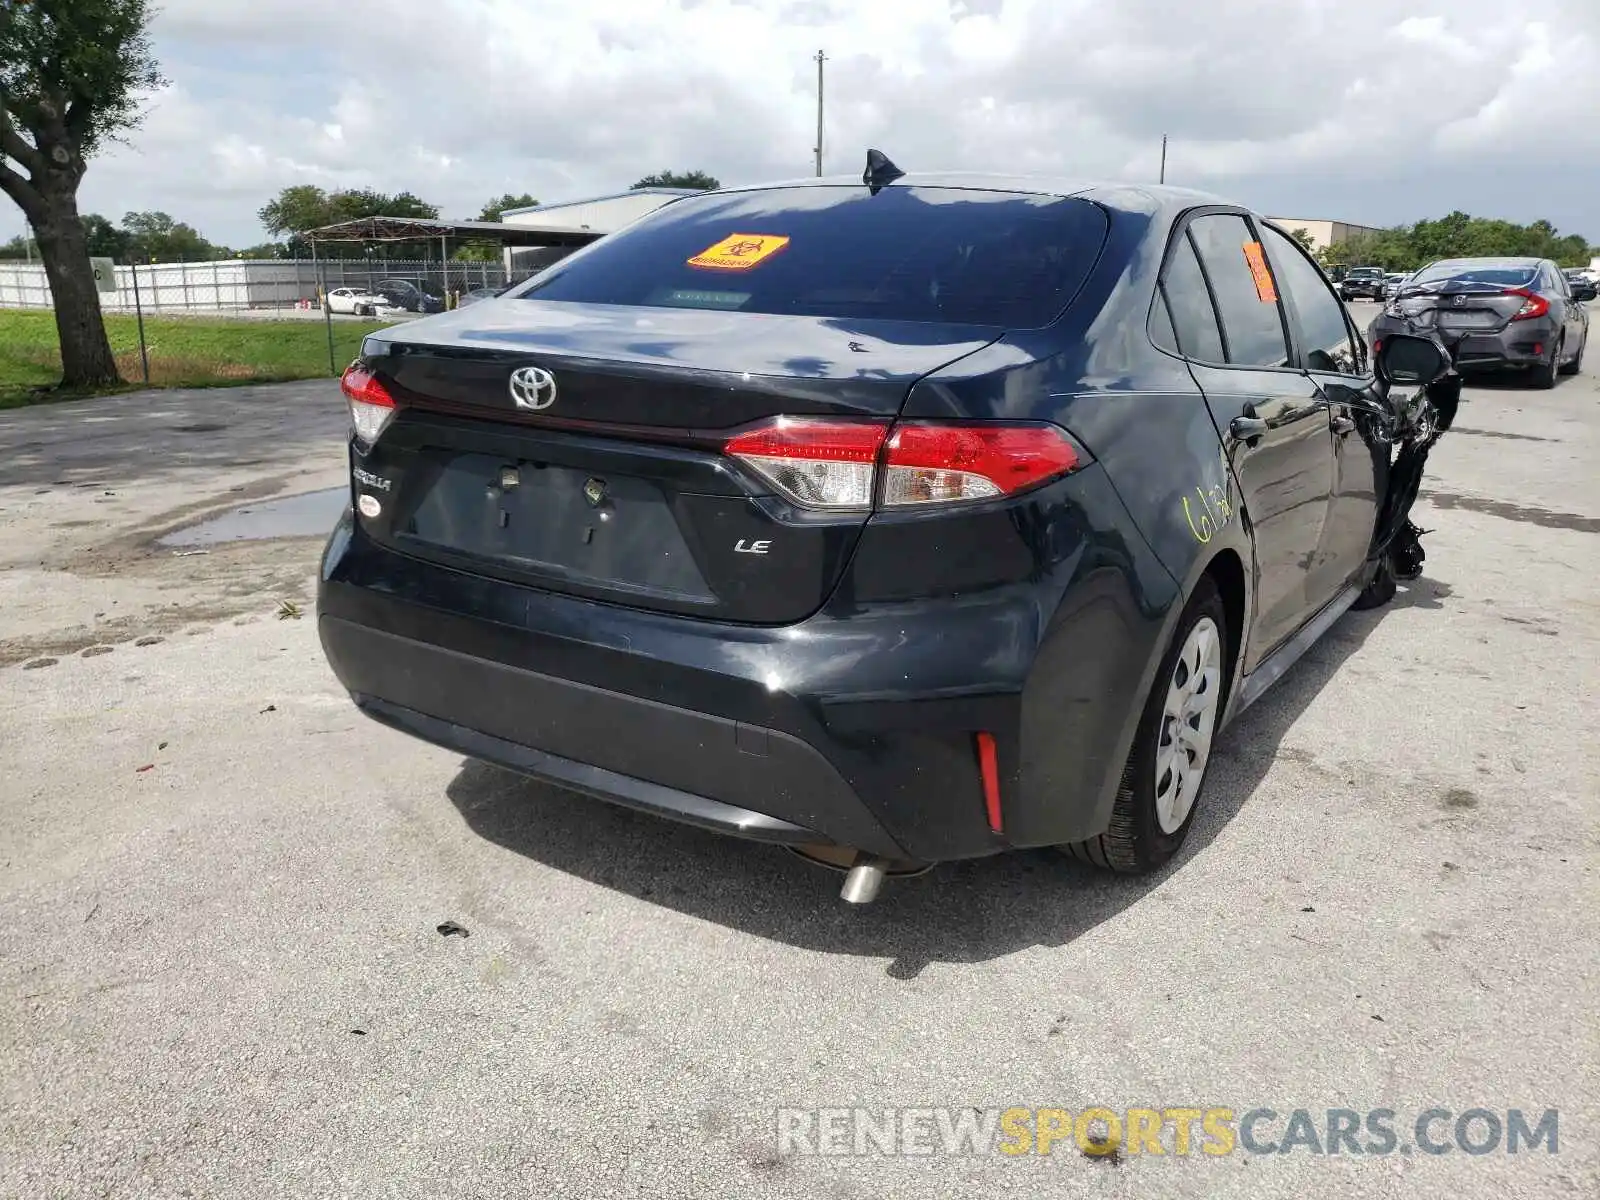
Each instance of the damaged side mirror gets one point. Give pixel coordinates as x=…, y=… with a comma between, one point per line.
x=1411, y=361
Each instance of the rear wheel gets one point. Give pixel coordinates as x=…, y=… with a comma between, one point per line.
x=1576, y=365
x=1544, y=375
x=1166, y=768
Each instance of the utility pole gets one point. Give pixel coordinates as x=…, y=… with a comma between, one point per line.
x=1163, y=158
x=821, y=58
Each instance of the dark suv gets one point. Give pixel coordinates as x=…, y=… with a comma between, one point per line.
x=1362, y=283
x=405, y=294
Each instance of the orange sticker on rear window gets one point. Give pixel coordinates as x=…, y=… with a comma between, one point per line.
x=1266, y=290
x=739, y=252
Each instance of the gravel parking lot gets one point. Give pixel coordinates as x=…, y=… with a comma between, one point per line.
x=221, y=972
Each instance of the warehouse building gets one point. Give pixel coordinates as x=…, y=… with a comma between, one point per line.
x=1323, y=233
x=599, y=215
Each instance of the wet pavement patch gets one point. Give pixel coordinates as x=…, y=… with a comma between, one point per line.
x=1497, y=433
x=310, y=514
x=1515, y=512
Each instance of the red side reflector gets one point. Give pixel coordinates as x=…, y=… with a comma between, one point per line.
x=989, y=768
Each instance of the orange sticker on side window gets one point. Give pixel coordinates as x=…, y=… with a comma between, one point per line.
x=739, y=252
x=1266, y=290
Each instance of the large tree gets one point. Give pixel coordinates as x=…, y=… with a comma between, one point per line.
x=697, y=180
x=305, y=206
x=71, y=76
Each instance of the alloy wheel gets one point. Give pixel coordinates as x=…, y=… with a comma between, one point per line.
x=1188, y=720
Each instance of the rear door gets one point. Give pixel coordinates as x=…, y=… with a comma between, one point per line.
x=570, y=435
x=1273, y=419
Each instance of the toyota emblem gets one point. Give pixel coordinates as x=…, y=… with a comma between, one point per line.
x=533, y=387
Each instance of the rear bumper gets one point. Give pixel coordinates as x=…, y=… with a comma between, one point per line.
x=776, y=734
x=1521, y=344
x=855, y=727
x=787, y=774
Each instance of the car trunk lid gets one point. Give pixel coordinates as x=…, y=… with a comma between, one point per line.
x=1461, y=306
x=607, y=479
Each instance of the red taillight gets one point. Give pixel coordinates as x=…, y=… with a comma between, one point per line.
x=933, y=463
x=1533, y=304
x=815, y=462
x=371, y=405
x=989, y=770
x=823, y=463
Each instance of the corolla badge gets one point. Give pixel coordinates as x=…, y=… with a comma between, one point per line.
x=533, y=387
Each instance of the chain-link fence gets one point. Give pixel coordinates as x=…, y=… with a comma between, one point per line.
x=242, y=285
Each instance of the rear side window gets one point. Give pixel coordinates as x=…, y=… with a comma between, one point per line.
x=1193, y=318
x=1162, y=332
x=1251, y=322
x=945, y=255
x=1323, y=329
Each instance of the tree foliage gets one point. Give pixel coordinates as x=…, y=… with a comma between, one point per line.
x=1303, y=236
x=73, y=74
x=296, y=209
x=1408, y=247
x=144, y=237
x=493, y=210
x=156, y=237
x=697, y=180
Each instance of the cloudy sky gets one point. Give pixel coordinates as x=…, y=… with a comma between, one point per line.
x=1364, y=110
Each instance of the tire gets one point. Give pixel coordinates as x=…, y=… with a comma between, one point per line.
x=1144, y=833
x=1576, y=365
x=1381, y=590
x=1543, y=376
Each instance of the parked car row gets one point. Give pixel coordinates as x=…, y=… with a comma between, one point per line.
x=387, y=295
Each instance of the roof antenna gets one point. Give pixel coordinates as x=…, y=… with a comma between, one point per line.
x=880, y=172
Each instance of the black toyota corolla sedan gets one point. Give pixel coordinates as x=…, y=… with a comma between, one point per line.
x=897, y=520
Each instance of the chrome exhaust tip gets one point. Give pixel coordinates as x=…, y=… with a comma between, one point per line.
x=864, y=879
x=863, y=873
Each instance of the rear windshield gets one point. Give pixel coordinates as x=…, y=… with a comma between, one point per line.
x=947, y=255
x=1499, y=276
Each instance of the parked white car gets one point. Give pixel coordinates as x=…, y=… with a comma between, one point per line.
x=357, y=302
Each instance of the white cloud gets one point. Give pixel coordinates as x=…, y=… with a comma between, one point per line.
x=1343, y=107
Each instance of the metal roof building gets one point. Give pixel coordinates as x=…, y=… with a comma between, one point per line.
x=591, y=218
x=597, y=214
